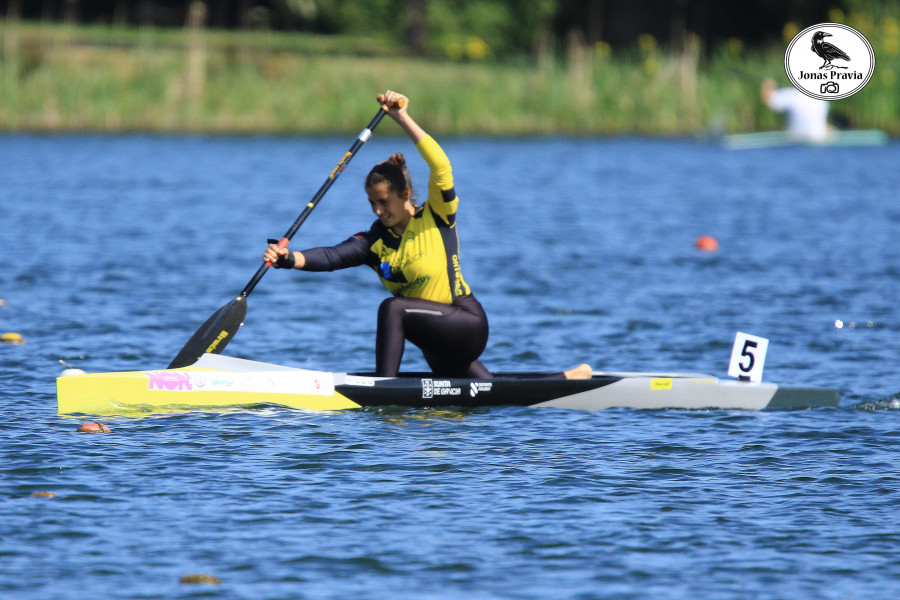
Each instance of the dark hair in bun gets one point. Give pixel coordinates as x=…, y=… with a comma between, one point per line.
x=393, y=172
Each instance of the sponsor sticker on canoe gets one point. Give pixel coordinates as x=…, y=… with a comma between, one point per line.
x=170, y=382
x=314, y=383
x=476, y=386
x=661, y=383
x=439, y=387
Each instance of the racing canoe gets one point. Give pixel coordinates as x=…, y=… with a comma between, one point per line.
x=218, y=382
x=773, y=139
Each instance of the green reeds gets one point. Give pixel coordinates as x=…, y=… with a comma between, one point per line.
x=63, y=78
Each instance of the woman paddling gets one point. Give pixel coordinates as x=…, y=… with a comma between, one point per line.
x=415, y=252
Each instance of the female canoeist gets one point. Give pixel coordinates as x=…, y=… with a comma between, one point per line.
x=415, y=251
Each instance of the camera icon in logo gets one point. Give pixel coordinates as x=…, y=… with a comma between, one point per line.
x=829, y=88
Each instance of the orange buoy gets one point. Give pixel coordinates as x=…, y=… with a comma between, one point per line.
x=43, y=494
x=94, y=428
x=707, y=243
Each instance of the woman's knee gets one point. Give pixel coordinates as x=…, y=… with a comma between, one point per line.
x=391, y=308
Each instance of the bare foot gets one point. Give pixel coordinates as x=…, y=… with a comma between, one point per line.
x=582, y=371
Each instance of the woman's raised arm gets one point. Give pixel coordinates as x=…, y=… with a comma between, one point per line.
x=397, y=105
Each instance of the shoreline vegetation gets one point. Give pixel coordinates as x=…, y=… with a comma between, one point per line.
x=102, y=79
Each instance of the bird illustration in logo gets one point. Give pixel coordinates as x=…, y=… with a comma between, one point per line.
x=827, y=51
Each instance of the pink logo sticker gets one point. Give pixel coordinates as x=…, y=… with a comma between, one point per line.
x=162, y=380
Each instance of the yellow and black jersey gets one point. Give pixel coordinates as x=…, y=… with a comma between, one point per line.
x=424, y=261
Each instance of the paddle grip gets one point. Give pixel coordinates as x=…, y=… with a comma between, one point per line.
x=400, y=104
x=282, y=243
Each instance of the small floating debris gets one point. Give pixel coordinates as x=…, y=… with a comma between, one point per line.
x=43, y=494
x=838, y=324
x=69, y=369
x=200, y=578
x=94, y=428
x=706, y=243
x=13, y=338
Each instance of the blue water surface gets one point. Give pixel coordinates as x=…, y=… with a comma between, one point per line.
x=115, y=249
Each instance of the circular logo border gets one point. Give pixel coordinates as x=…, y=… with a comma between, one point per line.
x=787, y=66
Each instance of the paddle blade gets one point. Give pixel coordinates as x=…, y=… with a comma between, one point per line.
x=214, y=334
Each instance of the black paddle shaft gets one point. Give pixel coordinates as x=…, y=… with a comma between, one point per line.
x=360, y=140
x=222, y=325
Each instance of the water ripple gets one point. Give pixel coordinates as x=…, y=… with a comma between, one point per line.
x=486, y=503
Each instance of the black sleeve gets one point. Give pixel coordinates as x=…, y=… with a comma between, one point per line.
x=352, y=252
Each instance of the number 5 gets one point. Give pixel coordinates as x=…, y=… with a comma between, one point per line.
x=746, y=352
x=747, y=357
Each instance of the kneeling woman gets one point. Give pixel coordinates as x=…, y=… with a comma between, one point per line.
x=415, y=252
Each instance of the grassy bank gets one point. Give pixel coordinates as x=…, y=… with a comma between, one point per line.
x=59, y=78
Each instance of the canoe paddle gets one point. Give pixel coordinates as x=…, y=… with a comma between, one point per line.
x=219, y=328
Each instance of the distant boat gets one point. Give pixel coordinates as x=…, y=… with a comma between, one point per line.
x=838, y=137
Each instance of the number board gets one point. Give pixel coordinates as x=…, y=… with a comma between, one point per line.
x=748, y=357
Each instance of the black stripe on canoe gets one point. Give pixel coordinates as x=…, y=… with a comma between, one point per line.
x=421, y=390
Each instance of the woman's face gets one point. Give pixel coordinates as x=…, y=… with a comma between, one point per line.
x=392, y=209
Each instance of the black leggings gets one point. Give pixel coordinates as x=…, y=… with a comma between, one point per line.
x=451, y=336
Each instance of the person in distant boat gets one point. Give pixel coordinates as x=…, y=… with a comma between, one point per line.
x=807, y=118
x=415, y=252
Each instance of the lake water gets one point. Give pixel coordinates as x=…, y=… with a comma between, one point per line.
x=115, y=249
